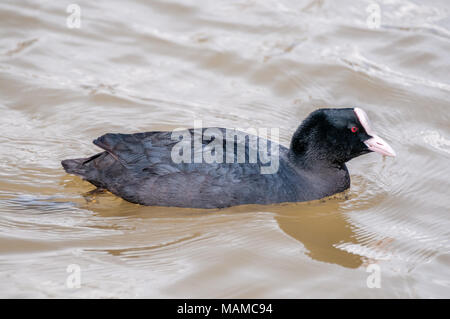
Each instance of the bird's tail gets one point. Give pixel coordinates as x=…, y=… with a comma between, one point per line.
x=81, y=166
x=84, y=167
x=75, y=166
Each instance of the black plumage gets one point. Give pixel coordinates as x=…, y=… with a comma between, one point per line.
x=139, y=167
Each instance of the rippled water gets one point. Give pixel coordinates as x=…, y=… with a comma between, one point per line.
x=149, y=65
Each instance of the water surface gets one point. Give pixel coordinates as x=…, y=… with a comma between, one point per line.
x=151, y=65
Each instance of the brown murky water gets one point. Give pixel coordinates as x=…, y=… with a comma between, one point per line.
x=147, y=65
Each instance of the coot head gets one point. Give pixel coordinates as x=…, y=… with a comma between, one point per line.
x=335, y=136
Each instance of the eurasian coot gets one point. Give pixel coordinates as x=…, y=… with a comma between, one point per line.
x=220, y=169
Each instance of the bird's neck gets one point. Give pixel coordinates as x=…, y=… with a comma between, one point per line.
x=310, y=158
x=307, y=155
x=314, y=162
x=326, y=178
x=310, y=161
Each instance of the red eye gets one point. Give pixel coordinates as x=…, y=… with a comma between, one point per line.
x=354, y=129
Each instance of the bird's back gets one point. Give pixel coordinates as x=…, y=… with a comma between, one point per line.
x=144, y=168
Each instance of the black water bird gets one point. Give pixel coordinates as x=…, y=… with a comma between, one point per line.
x=145, y=168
